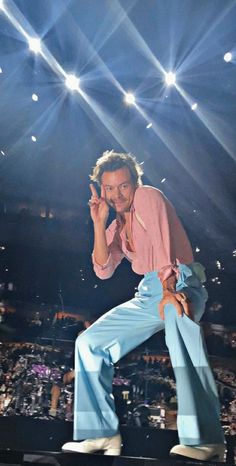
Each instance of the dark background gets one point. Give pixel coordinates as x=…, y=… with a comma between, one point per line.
x=113, y=47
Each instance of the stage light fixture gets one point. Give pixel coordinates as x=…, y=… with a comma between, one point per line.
x=194, y=106
x=33, y=138
x=35, y=97
x=1, y=70
x=129, y=98
x=228, y=57
x=72, y=82
x=170, y=78
x=149, y=125
x=34, y=44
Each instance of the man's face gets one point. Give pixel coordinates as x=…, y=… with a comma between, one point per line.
x=119, y=189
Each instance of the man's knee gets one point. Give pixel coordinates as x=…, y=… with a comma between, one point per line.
x=82, y=341
x=86, y=342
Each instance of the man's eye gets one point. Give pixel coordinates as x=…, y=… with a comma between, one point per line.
x=108, y=188
x=124, y=186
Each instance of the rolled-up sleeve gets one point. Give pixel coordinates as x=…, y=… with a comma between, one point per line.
x=115, y=257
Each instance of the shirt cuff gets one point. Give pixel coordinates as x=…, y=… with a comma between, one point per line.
x=103, y=266
x=168, y=270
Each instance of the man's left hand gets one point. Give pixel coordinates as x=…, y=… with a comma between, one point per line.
x=179, y=301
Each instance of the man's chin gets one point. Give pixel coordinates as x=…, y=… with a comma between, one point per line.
x=120, y=209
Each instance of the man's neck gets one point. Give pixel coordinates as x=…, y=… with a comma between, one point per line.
x=124, y=217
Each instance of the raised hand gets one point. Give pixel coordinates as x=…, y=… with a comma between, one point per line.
x=99, y=208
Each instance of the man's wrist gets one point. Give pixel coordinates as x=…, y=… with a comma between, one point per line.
x=169, y=285
x=99, y=226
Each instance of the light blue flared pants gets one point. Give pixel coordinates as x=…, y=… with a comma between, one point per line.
x=124, y=328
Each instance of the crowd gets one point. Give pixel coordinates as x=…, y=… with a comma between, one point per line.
x=39, y=324
x=36, y=380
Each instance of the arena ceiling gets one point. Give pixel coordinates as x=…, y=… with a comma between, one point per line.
x=184, y=133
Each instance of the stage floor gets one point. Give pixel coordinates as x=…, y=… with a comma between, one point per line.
x=24, y=440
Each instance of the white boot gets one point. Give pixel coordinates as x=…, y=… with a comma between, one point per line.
x=200, y=452
x=110, y=445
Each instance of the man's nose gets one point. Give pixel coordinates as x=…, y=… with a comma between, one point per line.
x=117, y=192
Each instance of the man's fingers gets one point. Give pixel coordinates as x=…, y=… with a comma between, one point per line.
x=178, y=301
x=103, y=194
x=185, y=304
x=188, y=309
x=164, y=303
x=93, y=190
x=93, y=201
x=179, y=308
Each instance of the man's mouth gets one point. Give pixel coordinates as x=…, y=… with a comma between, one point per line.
x=118, y=203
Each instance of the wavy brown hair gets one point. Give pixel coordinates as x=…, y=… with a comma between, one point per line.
x=111, y=161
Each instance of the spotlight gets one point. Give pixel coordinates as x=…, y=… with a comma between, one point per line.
x=149, y=125
x=1, y=70
x=35, y=97
x=170, y=78
x=33, y=138
x=1, y=5
x=129, y=98
x=228, y=56
x=194, y=106
x=34, y=44
x=72, y=82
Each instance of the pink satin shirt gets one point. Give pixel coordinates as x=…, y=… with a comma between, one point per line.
x=159, y=239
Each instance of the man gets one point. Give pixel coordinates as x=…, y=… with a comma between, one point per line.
x=149, y=234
